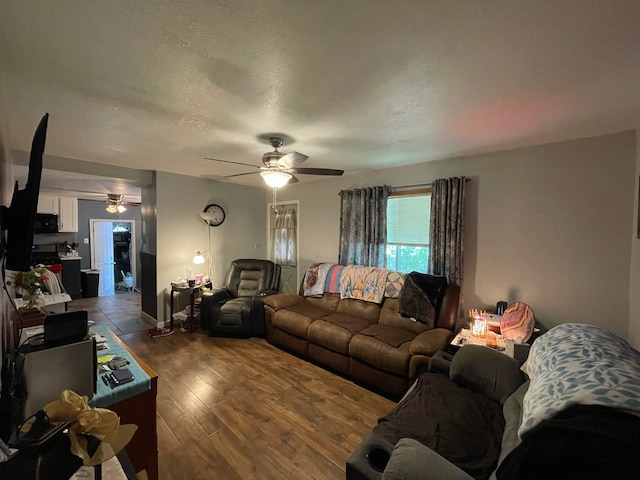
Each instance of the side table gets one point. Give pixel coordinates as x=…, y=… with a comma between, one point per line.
x=194, y=293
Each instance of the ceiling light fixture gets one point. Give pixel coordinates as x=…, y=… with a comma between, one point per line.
x=115, y=202
x=275, y=178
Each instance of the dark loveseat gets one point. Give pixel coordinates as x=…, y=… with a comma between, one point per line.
x=574, y=415
x=370, y=342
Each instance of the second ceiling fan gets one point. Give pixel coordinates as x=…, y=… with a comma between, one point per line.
x=279, y=168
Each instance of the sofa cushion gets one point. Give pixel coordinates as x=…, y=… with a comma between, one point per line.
x=328, y=301
x=359, y=308
x=380, y=354
x=390, y=335
x=297, y=318
x=390, y=316
x=335, y=331
x=486, y=371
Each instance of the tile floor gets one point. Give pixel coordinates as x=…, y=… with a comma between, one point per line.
x=120, y=312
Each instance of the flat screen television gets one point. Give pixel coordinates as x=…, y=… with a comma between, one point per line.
x=19, y=219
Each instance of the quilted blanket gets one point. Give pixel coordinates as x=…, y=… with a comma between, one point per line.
x=579, y=364
x=363, y=283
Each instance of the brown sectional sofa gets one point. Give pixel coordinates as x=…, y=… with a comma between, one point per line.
x=370, y=342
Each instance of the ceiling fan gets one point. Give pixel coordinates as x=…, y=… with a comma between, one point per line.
x=279, y=168
x=116, y=203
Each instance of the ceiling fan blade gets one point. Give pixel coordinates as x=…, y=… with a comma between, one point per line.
x=239, y=174
x=234, y=163
x=293, y=179
x=292, y=159
x=317, y=171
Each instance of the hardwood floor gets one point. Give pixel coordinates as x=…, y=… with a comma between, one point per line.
x=241, y=408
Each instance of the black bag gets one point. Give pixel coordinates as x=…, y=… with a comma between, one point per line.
x=13, y=395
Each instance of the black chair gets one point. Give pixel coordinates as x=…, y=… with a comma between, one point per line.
x=237, y=309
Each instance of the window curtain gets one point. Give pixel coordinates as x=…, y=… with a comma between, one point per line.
x=283, y=237
x=446, y=256
x=363, y=226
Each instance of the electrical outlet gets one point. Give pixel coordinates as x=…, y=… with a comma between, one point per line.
x=86, y=240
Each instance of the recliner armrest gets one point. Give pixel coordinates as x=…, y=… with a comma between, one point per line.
x=266, y=293
x=429, y=342
x=412, y=459
x=215, y=296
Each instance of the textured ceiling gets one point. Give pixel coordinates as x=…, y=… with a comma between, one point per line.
x=357, y=84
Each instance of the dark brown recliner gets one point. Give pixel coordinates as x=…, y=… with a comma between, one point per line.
x=237, y=308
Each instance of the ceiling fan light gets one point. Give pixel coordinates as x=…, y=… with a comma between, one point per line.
x=275, y=179
x=121, y=208
x=112, y=208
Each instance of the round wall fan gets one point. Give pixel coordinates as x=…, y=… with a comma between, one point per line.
x=279, y=168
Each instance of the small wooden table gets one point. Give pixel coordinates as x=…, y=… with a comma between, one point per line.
x=141, y=411
x=194, y=293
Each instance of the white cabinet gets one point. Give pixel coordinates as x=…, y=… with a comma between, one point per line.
x=68, y=216
x=65, y=207
x=48, y=204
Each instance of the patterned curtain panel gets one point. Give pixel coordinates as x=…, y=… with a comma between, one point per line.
x=363, y=226
x=283, y=237
x=446, y=256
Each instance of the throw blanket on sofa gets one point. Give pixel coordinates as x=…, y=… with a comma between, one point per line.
x=314, y=279
x=581, y=364
x=462, y=425
x=332, y=285
x=363, y=283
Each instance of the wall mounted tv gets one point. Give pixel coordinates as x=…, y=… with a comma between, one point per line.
x=19, y=219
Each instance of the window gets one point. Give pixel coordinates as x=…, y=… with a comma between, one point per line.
x=408, y=215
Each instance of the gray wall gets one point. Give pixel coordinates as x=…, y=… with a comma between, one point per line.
x=181, y=231
x=549, y=225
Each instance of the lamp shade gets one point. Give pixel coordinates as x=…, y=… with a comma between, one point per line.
x=112, y=209
x=121, y=208
x=198, y=259
x=275, y=179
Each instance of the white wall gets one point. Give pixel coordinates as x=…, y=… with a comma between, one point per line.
x=547, y=225
x=181, y=232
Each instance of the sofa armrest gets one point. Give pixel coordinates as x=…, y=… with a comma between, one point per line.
x=282, y=300
x=411, y=459
x=429, y=342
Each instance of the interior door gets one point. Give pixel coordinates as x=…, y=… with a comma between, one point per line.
x=102, y=255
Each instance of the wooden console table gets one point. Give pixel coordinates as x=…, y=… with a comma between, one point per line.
x=141, y=411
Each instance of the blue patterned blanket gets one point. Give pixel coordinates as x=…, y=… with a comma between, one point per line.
x=579, y=364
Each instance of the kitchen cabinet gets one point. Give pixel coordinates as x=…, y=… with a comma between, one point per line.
x=65, y=207
x=68, y=215
x=48, y=204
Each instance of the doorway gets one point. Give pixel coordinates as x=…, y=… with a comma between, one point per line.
x=113, y=254
x=283, y=240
